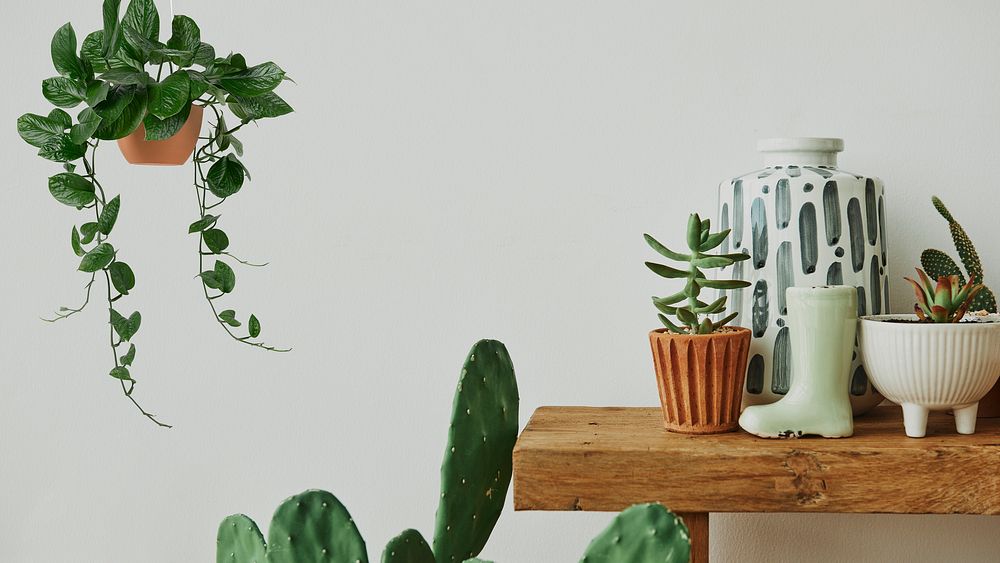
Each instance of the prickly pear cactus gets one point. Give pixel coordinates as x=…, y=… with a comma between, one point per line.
x=314, y=527
x=408, y=547
x=239, y=541
x=476, y=470
x=937, y=263
x=643, y=533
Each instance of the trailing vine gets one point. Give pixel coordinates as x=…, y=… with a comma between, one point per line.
x=111, y=76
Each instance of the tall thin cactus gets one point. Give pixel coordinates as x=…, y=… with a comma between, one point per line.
x=938, y=264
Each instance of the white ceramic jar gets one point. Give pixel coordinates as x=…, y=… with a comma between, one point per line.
x=804, y=222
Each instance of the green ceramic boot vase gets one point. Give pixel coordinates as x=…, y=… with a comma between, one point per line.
x=818, y=402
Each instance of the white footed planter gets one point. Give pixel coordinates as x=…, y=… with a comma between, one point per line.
x=925, y=367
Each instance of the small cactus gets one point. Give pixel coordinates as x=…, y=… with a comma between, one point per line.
x=700, y=241
x=314, y=527
x=239, y=541
x=937, y=264
x=642, y=533
x=946, y=302
x=408, y=547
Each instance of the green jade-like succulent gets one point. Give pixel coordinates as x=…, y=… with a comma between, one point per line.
x=937, y=264
x=947, y=302
x=685, y=305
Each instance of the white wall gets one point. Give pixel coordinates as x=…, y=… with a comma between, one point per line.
x=455, y=170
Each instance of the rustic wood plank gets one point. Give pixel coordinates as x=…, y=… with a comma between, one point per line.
x=697, y=524
x=607, y=458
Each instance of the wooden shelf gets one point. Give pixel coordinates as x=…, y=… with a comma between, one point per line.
x=608, y=458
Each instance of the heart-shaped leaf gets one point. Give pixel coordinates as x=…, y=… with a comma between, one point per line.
x=89, y=122
x=126, y=122
x=71, y=189
x=129, y=356
x=109, y=215
x=185, y=35
x=225, y=177
x=87, y=232
x=121, y=372
x=64, y=57
x=126, y=328
x=63, y=92
x=226, y=276
x=170, y=96
x=141, y=15
x=37, y=130
x=254, y=81
x=161, y=129
x=216, y=240
x=98, y=258
x=112, y=25
x=62, y=149
x=253, y=326
x=203, y=223
x=229, y=317
x=259, y=107
x=74, y=241
x=122, y=277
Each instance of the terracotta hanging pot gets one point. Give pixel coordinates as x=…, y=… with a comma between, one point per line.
x=169, y=152
x=700, y=378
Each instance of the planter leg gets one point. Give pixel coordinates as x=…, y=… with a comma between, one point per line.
x=697, y=523
x=915, y=420
x=965, y=418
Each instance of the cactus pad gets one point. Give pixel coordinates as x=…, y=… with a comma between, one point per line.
x=938, y=264
x=408, y=547
x=314, y=527
x=476, y=470
x=643, y=533
x=239, y=541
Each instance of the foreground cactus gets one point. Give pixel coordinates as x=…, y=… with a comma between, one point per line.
x=945, y=303
x=938, y=264
x=476, y=470
x=475, y=476
x=700, y=240
x=643, y=533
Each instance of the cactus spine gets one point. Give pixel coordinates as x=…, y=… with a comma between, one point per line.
x=642, y=533
x=476, y=469
x=937, y=264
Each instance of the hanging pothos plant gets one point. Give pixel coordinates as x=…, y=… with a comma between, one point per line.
x=133, y=85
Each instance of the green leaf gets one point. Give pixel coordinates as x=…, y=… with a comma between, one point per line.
x=723, y=284
x=253, y=327
x=126, y=328
x=199, y=84
x=203, y=223
x=713, y=262
x=97, y=92
x=74, y=241
x=664, y=251
x=62, y=149
x=259, y=107
x=87, y=232
x=714, y=240
x=185, y=35
x=122, y=277
x=141, y=15
x=226, y=277
x=254, y=81
x=93, y=50
x=64, y=57
x=121, y=372
x=71, y=189
x=160, y=129
x=126, y=122
x=229, y=317
x=109, y=215
x=69, y=167
x=225, y=177
x=112, y=26
x=216, y=240
x=63, y=92
x=98, y=258
x=686, y=316
x=204, y=54
x=82, y=131
x=61, y=117
x=118, y=98
x=666, y=271
x=138, y=47
x=128, y=77
x=129, y=356
x=170, y=96
x=37, y=130
x=694, y=232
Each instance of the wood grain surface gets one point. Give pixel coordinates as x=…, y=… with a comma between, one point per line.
x=607, y=458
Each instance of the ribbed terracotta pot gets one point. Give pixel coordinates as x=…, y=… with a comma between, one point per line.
x=700, y=378
x=168, y=152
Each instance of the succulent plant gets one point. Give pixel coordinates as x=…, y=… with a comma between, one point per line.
x=946, y=302
x=685, y=305
x=642, y=533
x=937, y=264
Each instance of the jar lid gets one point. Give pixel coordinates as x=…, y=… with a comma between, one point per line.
x=801, y=144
